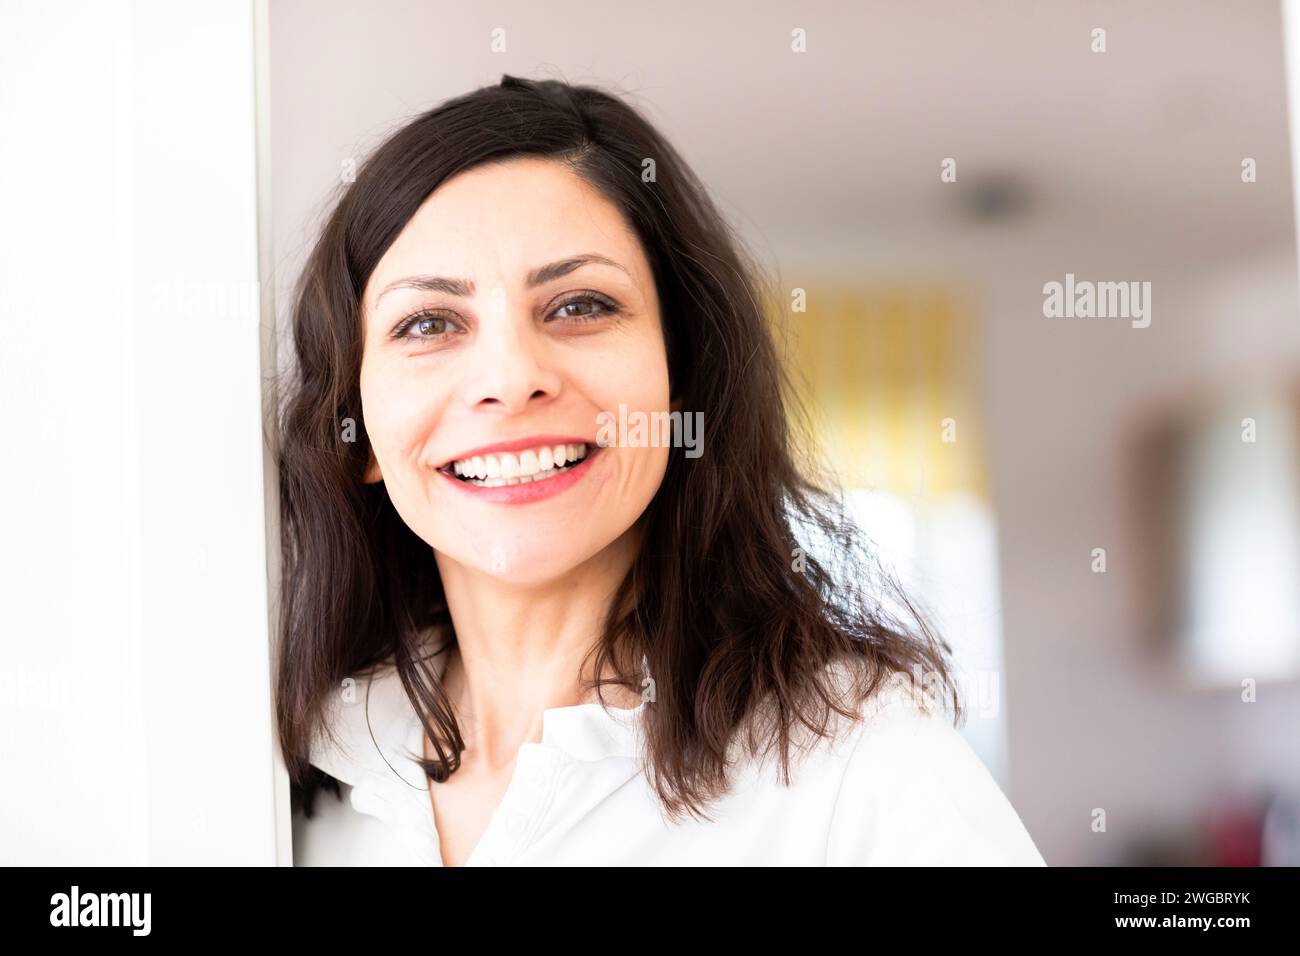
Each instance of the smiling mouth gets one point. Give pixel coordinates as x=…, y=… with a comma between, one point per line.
x=517, y=468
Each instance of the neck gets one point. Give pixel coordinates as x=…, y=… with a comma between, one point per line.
x=520, y=649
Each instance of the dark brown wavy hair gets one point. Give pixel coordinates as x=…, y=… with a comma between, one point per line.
x=732, y=603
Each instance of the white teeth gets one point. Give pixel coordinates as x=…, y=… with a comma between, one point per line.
x=505, y=468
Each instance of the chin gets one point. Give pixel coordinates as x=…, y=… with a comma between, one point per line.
x=532, y=562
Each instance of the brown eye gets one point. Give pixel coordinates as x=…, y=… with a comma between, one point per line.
x=586, y=307
x=431, y=325
x=423, y=325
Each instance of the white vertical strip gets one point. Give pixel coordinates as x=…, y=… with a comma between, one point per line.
x=207, y=678
x=125, y=266
x=266, y=270
x=71, y=748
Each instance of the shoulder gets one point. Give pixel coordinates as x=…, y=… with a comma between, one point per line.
x=912, y=791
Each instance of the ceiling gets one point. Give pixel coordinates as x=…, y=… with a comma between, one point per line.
x=1140, y=145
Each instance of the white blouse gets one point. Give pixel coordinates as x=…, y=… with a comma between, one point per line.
x=901, y=787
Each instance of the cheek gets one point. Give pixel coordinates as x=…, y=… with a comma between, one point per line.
x=632, y=372
x=629, y=380
x=399, y=412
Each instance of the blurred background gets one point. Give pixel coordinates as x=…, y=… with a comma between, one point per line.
x=1100, y=514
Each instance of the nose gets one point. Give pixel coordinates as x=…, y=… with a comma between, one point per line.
x=512, y=364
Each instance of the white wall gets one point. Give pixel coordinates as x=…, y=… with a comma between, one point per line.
x=135, y=724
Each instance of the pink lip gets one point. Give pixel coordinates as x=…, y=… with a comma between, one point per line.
x=532, y=490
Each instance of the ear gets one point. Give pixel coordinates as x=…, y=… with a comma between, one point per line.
x=373, y=473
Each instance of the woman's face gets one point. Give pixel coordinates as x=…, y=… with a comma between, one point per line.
x=514, y=308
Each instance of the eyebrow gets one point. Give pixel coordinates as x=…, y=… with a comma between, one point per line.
x=465, y=287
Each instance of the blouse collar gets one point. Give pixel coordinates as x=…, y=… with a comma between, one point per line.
x=380, y=736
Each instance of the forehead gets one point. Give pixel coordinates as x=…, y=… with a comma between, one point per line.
x=495, y=222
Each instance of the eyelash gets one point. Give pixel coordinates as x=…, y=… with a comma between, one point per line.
x=606, y=306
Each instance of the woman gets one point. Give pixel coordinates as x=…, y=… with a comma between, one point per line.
x=511, y=634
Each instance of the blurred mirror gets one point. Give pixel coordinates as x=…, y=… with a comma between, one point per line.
x=1220, y=487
